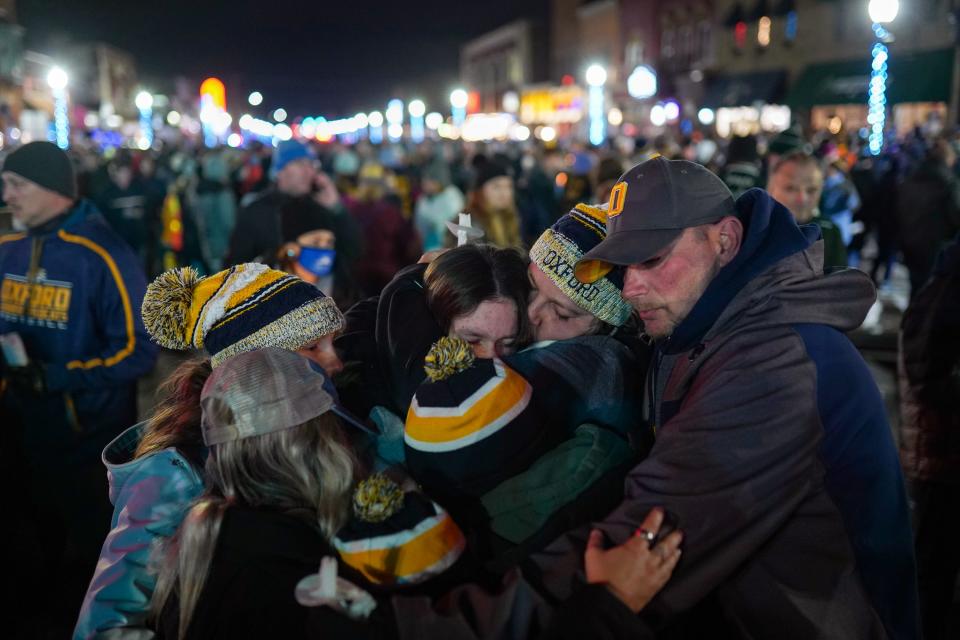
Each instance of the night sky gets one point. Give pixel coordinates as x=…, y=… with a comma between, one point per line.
x=330, y=58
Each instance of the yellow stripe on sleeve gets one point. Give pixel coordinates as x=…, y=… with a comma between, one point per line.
x=10, y=237
x=124, y=298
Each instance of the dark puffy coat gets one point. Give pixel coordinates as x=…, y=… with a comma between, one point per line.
x=930, y=376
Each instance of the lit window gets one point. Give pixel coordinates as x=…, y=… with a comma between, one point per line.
x=740, y=34
x=763, y=31
x=790, y=32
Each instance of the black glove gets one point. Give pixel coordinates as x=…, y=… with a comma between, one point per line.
x=28, y=380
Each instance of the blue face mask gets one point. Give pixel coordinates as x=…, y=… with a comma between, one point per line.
x=319, y=262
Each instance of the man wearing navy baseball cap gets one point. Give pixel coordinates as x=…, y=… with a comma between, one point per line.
x=773, y=451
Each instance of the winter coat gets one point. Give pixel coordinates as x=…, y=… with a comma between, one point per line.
x=512, y=609
x=773, y=449
x=129, y=212
x=433, y=212
x=81, y=319
x=150, y=497
x=930, y=376
x=834, y=250
x=260, y=557
x=928, y=210
x=389, y=244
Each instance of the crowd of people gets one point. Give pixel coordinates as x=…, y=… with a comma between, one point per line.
x=619, y=401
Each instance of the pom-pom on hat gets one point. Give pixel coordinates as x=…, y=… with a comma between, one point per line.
x=471, y=425
x=246, y=307
x=397, y=537
x=559, y=248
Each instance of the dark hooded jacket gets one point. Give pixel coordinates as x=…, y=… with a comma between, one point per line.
x=766, y=412
x=930, y=375
x=770, y=423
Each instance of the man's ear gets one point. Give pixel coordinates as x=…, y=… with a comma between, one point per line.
x=729, y=235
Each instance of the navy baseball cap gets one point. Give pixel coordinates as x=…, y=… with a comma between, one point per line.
x=650, y=206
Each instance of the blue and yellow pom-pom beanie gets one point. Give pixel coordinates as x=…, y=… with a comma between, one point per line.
x=243, y=308
x=557, y=251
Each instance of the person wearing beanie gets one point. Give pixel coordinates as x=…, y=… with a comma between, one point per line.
x=302, y=199
x=69, y=294
x=742, y=170
x=155, y=467
x=562, y=306
x=492, y=204
x=246, y=307
x=440, y=201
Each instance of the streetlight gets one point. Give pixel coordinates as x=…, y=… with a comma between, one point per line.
x=434, y=120
x=881, y=12
x=255, y=99
x=144, y=102
x=596, y=77
x=394, y=114
x=57, y=79
x=458, y=104
x=375, y=120
x=416, y=109
x=280, y=114
x=642, y=82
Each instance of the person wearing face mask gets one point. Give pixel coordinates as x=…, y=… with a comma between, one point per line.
x=311, y=258
x=301, y=200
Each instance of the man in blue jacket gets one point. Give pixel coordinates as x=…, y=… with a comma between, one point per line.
x=71, y=290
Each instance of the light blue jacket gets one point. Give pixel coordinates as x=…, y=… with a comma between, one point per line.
x=150, y=496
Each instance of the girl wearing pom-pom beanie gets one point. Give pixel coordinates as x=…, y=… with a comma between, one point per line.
x=155, y=468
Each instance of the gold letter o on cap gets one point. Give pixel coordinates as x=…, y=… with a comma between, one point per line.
x=618, y=195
